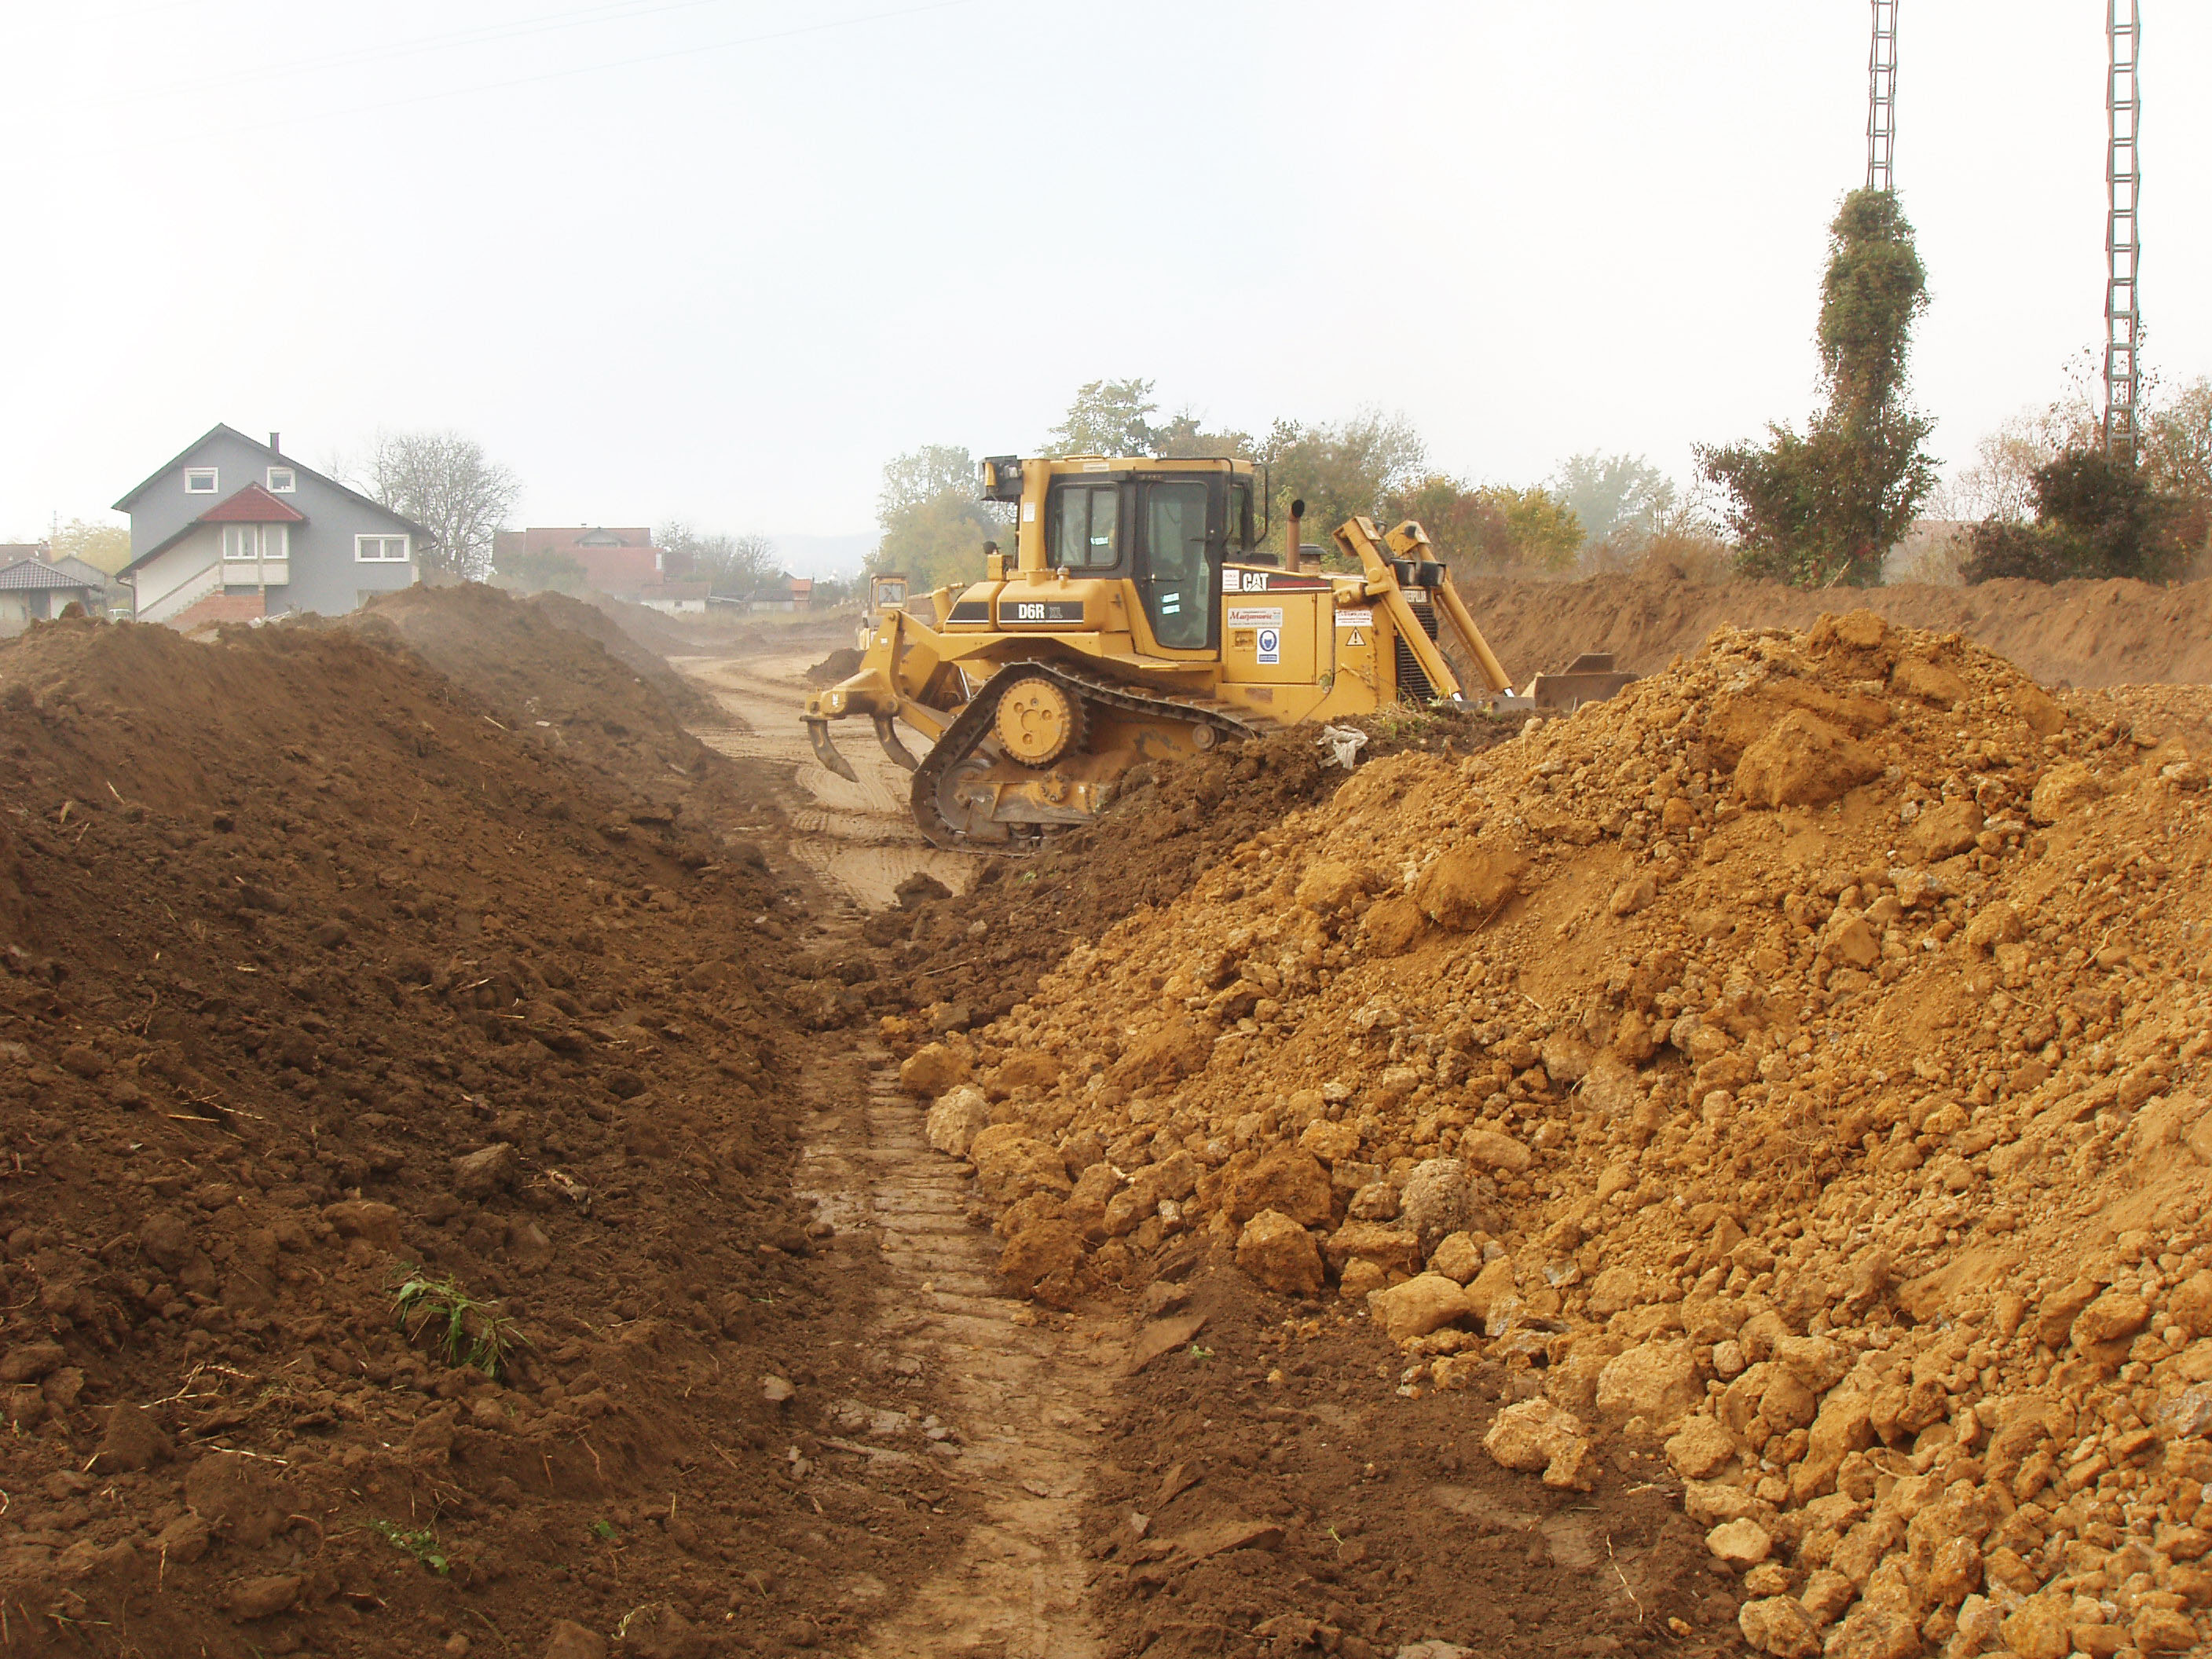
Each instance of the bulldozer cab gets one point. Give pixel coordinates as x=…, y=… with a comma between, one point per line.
x=1170, y=534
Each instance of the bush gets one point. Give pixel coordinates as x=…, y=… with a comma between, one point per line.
x=2096, y=518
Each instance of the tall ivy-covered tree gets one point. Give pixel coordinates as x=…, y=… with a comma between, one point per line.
x=1827, y=507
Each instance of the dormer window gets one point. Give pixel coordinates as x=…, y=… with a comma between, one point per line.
x=199, y=480
x=281, y=481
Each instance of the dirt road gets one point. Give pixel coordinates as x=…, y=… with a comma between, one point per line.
x=1026, y=1396
x=856, y=838
x=1180, y=1469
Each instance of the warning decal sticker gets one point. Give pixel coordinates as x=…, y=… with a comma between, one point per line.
x=1355, y=619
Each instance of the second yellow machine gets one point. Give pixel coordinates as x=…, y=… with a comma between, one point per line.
x=1137, y=620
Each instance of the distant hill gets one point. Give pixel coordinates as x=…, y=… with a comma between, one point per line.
x=823, y=555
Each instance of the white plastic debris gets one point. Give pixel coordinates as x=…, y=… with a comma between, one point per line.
x=1342, y=742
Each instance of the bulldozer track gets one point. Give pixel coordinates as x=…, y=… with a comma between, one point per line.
x=974, y=724
x=856, y=837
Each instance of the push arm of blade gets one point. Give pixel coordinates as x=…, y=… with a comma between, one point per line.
x=817, y=732
x=1417, y=640
x=1357, y=537
x=1462, y=621
x=887, y=734
x=929, y=722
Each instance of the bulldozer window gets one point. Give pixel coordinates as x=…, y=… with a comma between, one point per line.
x=1180, y=577
x=1083, y=531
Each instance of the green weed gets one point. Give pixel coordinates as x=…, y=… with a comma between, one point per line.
x=466, y=1331
x=422, y=1543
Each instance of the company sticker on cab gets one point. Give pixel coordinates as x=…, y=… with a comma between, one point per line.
x=1355, y=619
x=1256, y=616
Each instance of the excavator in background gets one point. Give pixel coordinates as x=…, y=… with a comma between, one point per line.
x=1138, y=620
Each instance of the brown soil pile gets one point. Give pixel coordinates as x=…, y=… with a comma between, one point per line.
x=550, y=670
x=1250, y=1492
x=1798, y=1064
x=971, y=956
x=310, y=969
x=839, y=664
x=2107, y=633
x=643, y=655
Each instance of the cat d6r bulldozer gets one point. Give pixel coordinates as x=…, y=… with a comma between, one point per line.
x=1138, y=620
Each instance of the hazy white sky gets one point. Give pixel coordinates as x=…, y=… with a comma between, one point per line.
x=718, y=259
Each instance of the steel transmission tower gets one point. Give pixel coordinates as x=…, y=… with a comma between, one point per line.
x=2123, y=182
x=1882, y=96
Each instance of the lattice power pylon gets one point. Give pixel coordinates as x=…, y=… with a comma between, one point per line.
x=2122, y=183
x=1882, y=96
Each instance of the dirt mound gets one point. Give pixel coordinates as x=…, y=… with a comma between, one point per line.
x=309, y=970
x=839, y=664
x=1361, y=1533
x=2105, y=632
x=643, y=655
x=1798, y=1064
x=972, y=956
x=558, y=673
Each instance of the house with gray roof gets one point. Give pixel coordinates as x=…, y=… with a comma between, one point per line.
x=31, y=590
x=231, y=529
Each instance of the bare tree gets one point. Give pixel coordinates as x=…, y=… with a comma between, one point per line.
x=732, y=564
x=444, y=482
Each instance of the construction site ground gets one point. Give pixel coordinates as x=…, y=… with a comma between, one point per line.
x=502, y=1153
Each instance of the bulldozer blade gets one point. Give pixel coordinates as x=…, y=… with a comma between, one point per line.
x=887, y=734
x=818, y=732
x=1591, y=677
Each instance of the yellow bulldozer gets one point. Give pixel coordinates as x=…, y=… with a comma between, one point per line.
x=1138, y=619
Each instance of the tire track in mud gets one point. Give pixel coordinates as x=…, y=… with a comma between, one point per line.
x=1025, y=1397
x=856, y=837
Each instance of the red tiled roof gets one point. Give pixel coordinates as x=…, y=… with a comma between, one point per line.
x=252, y=504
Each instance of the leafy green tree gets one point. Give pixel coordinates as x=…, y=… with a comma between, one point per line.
x=1108, y=417
x=105, y=547
x=1184, y=435
x=1613, y=496
x=2176, y=455
x=935, y=525
x=1827, y=507
x=1340, y=471
x=2097, y=516
x=922, y=475
x=1491, y=529
x=1541, y=530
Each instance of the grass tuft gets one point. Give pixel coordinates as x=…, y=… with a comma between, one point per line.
x=466, y=1331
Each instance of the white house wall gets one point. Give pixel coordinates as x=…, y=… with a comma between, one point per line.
x=173, y=570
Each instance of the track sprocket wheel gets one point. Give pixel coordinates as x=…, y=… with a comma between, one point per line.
x=1038, y=720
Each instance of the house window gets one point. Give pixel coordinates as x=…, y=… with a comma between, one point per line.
x=381, y=550
x=199, y=480
x=256, y=542
x=281, y=481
